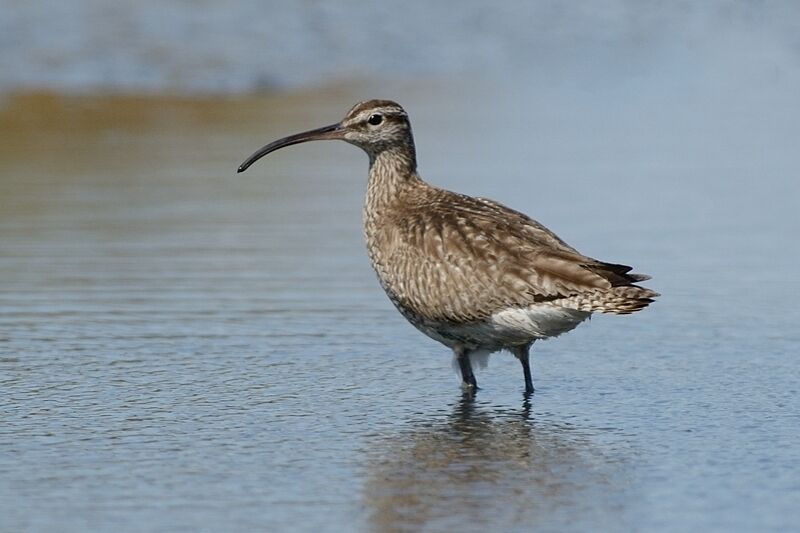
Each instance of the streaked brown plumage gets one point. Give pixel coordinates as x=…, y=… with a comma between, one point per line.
x=469, y=272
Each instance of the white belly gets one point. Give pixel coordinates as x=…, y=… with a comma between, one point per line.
x=537, y=322
x=507, y=328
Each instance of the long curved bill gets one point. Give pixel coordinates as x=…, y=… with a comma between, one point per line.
x=334, y=131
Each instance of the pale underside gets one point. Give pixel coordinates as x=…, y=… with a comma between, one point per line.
x=503, y=330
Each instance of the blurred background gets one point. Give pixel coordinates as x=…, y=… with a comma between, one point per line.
x=185, y=348
x=246, y=46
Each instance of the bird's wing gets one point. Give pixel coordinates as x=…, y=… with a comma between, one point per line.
x=484, y=207
x=462, y=259
x=537, y=233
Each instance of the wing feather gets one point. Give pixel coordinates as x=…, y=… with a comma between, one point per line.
x=463, y=259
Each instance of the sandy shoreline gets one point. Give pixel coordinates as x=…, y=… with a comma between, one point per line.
x=28, y=110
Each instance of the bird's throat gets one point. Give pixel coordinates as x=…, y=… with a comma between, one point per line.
x=390, y=172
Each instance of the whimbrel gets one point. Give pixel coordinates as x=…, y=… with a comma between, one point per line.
x=468, y=272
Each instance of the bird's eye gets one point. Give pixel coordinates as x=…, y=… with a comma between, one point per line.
x=375, y=119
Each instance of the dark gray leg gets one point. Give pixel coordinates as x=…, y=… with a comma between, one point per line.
x=523, y=354
x=467, y=377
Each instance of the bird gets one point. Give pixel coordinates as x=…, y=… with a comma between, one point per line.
x=468, y=272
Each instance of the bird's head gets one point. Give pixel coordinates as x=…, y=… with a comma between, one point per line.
x=374, y=126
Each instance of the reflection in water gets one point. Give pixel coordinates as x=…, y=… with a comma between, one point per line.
x=483, y=465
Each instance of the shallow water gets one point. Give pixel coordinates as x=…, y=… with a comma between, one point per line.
x=182, y=348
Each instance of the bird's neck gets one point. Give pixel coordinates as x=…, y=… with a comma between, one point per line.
x=390, y=172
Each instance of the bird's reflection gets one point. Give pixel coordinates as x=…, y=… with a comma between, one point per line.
x=481, y=465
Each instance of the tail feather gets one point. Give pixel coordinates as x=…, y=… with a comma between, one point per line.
x=622, y=300
x=618, y=275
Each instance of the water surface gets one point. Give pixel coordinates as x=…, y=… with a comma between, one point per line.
x=186, y=349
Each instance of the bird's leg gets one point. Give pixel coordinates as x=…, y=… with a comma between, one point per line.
x=467, y=377
x=523, y=354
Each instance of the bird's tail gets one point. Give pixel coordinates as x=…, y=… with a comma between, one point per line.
x=622, y=300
